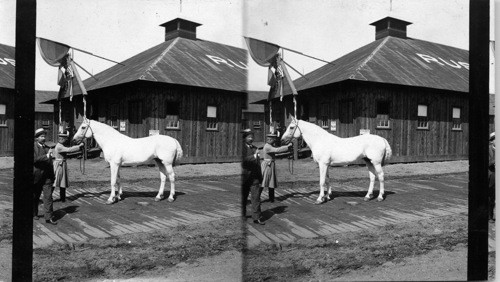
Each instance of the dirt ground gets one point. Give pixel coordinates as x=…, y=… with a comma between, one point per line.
x=444, y=258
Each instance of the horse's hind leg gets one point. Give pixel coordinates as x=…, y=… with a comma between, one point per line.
x=371, y=170
x=380, y=174
x=171, y=178
x=163, y=178
x=164, y=171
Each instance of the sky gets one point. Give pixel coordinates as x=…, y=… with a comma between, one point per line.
x=327, y=29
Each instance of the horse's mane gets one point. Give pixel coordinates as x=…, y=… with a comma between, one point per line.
x=314, y=127
x=105, y=129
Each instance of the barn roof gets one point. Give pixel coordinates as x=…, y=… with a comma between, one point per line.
x=254, y=96
x=40, y=97
x=181, y=61
x=394, y=60
x=7, y=66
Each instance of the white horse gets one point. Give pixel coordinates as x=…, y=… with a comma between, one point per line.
x=328, y=149
x=120, y=149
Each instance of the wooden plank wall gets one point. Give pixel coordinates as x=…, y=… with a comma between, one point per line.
x=199, y=144
x=44, y=116
x=7, y=132
x=409, y=144
x=259, y=133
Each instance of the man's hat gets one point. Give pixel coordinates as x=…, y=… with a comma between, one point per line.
x=64, y=134
x=492, y=136
x=246, y=132
x=39, y=132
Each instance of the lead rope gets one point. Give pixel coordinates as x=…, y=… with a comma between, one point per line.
x=290, y=165
x=84, y=151
x=84, y=156
x=291, y=158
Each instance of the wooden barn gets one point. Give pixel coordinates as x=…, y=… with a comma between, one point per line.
x=44, y=116
x=253, y=115
x=410, y=91
x=191, y=89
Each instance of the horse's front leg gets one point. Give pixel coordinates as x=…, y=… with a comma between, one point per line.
x=323, y=168
x=119, y=185
x=114, y=173
x=327, y=183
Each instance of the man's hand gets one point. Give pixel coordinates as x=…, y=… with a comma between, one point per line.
x=81, y=145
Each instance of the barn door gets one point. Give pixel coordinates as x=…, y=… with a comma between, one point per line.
x=136, y=126
x=346, y=127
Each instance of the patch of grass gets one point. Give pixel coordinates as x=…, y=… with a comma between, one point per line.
x=6, y=225
x=135, y=254
x=369, y=248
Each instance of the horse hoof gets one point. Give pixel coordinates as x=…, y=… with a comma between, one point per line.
x=380, y=199
x=319, y=202
x=157, y=199
x=110, y=202
x=366, y=199
x=171, y=200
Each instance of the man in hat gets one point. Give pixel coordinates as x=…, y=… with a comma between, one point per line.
x=60, y=166
x=268, y=168
x=491, y=178
x=43, y=177
x=251, y=177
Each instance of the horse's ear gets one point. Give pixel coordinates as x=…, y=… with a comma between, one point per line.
x=294, y=119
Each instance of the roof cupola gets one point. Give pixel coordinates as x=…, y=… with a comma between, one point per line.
x=180, y=28
x=389, y=26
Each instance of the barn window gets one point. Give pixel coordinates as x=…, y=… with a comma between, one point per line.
x=257, y=124
x=172, y=114
x=383, y=114
x=45, y=123
x=422, y=121
x=212, y=117
x=324, y=116
x=113, y=115
x=456, y=117
x=3, y=115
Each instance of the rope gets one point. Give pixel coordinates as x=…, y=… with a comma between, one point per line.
x=290, y=165
x=84, y=156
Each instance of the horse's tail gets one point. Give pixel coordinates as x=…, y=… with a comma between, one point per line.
x=178, y=154
x=388, y=152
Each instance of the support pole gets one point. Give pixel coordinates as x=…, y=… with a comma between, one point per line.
x=24, y=116
x=270, y=113
x=60, y=115
x=479, y=32
x=84, y=91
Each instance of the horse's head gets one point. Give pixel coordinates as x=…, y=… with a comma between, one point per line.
x=291, y=131
x=83, y=131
